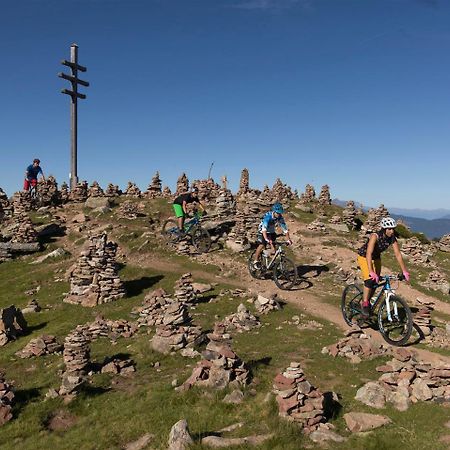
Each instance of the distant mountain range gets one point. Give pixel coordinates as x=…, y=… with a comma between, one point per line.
x=433, y=223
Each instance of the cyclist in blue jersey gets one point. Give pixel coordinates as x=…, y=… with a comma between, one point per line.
x=31, y=175
x=266, y=231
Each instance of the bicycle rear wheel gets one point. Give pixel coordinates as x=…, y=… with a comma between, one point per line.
x=351, y=303
x=285, y=273
x=201, y=239
x=170, y=230
x=254, y=272
x=395, y=323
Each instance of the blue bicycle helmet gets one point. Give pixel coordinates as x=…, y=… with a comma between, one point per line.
x=278, y=208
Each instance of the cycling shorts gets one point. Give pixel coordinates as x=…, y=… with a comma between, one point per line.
x=178, y=210
x=260, y=239
x=27, y=184
x=362, y=262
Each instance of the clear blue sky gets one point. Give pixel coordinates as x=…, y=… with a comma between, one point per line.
x=352, y=93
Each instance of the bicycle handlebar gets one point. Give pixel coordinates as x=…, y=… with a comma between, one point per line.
x=399, y=277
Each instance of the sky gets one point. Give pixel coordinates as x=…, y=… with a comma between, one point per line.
x=350, y=93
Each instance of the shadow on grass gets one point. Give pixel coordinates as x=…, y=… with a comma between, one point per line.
x=135, y=287
x=255, y=363
x=24, y=396
x=331, y=405
x=316, y=270
x=31, y=328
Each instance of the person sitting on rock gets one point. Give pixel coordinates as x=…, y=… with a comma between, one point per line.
x=31, y=175
x=266, y=231
x=369, y=259
x=180, y=206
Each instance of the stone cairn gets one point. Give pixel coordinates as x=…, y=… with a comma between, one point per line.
x=436, y=281
x=184, y=291
x=417, y=253
x=132, y=190
x=23, y=231
x=422, y=317
x=113, y=190
x=6, y=400
x=244, y=186
x=182, y=184
x=324, y=196
x=265, y=304
x=316, y=225
x=242, y=320
x=335, y=219
x=12, y=324
x=356, y=346
x=64, y=193
x=238, y=235
x=349, y=214
x=95, y=190
x=281, y=192
x=166, y=192
x=220, y=366
x=111, y=329
x=225, y=203
x=299, y=401
x=6, y=209
x=80, y=193
x=406, y=380
x=94, y=279
x=118, y=366
x=154, y=189
x=129, y=210
x=208, y=190
x=374, y=216
x=48, y=191
x=266, y=198
x=443, y=245
x=21, y=202
x=76, y=357
x=42, y=345
x=309, y=195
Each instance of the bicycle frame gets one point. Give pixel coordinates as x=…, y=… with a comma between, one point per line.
x=388, y=292
x=278, y=253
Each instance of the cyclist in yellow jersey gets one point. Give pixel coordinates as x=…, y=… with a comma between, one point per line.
x=369, y=259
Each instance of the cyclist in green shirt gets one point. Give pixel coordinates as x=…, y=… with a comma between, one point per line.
x=180, y=206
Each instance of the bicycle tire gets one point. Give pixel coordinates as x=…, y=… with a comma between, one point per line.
x=169, y=230
x=201, y=239
x=255, y=273
x=402, y=324
x=351, y=303
x=285, y=273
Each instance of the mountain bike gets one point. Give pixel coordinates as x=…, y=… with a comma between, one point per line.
x=394, y=317
x=282, y=269
x=200, y=238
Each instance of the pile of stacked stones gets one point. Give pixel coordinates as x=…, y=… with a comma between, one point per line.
x=443, y=244
x=281, y=192
x=439, y=337
x=184, y=291
x=12, y=324
x=42, y=345
x=174, y=330
x=244, y=185
x=208, y=190
x=356, y=346
x=422, y=317
x=242, y=320
x=153, y=310
x=80, y=193
x=6, y=400
x=238, y=235
x=129, y=210
x=111, y=329
x=167, y=193
x=76, y=357
x=118, y=366
x=349, y=214
x=64, y=194
x=154, y=189
x=113, y=190
x=95, y=190
x=417, y=252
x=48, y=191
x=309, y=195
x=5, y=254
x=132, y=190
x=324, y=196
x=265, y=304
x=220, y=366
x=316, y=225
x=23, y=231
x=21, y=202
x=299, y=401
x=406, y=380
x=436, y=280
x=184, y=247
x=94, y=279
x=182, y=184
x=372, y=223
x=224, y=203
x=336, y=219
x=6, y=209
x=266, y=198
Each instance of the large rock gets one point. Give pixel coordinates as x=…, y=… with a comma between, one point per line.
x=98, y=202
x=357, y=422
x=372, y=394
x=221, y=442
x=179, y=438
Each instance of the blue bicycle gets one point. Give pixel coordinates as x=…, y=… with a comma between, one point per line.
x=394, y=317
x=200, y=238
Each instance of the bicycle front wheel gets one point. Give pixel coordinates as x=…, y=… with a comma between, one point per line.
x=201, y=239
x=351, y=303
x=395, y=321
x=285, y=274
x=170, y=230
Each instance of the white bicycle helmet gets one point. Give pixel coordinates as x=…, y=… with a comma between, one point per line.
x=388, y=222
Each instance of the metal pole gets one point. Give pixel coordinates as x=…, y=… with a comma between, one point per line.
x=74, y=120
